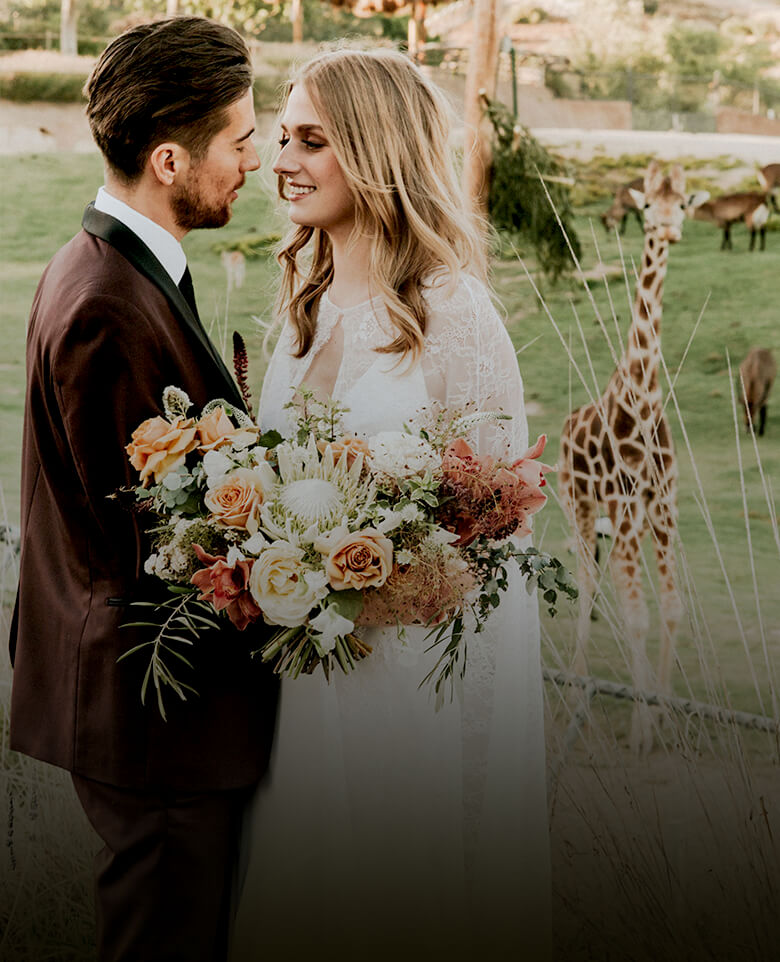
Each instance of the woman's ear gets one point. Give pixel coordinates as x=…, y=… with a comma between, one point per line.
x=169, y=161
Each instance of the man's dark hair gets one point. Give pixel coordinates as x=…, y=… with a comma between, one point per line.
x=169, y=80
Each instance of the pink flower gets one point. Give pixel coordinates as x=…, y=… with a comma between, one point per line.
x=486, y=497
x=226, y=587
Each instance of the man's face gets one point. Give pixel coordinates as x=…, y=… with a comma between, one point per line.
x=205, y=198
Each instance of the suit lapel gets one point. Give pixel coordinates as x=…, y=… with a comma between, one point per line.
x=128, y=244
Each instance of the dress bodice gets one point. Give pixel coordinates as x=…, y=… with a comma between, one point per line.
x=468, y=359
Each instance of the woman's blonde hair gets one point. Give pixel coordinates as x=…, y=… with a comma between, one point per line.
x=389, y=130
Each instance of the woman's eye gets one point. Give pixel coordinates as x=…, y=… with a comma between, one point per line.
x=312, y=145
x=284, y=141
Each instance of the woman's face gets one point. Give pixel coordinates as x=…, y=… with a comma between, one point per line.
x=314, y=183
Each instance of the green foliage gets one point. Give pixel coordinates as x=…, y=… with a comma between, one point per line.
x=693, y=52
x=57, y=88
x=36, y=23
x=518, y=201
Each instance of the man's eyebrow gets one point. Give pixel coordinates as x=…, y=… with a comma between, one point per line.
x=246, y=136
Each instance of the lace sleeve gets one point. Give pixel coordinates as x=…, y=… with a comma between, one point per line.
x=470, y=361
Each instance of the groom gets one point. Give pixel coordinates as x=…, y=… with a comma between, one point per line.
x=114, y=321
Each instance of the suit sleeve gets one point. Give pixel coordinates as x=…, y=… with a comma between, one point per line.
x=107, y=376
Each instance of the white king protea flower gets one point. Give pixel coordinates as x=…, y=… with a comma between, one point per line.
x=313, y=500
x=314, y=492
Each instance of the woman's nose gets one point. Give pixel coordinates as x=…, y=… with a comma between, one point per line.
x=285, y=161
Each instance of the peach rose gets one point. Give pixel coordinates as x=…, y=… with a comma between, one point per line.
x=216, y=429
x=158, y=446
x=360, y=560
x=235, y=498
x=348, y=444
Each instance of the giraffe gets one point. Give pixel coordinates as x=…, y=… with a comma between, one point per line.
x=617, y=454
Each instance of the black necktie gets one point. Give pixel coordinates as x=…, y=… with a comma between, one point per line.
x=185, y=286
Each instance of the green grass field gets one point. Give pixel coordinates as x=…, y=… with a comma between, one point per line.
x=625, y=836
x=716, y=305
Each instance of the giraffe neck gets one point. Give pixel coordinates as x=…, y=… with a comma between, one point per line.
x=643, y=350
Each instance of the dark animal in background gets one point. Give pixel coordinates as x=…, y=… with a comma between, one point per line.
x=752, y=208
x=756, y=374
x=623, y=204
x=769, y=178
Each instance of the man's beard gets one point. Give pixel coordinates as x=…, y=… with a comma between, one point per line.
x=191, y=210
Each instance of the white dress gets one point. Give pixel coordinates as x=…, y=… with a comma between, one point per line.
x=386, y=829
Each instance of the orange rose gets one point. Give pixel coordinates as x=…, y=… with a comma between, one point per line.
x=348, y=444
x=158, y=446
x=360, y=560
x=234, y=500
x=216, y=429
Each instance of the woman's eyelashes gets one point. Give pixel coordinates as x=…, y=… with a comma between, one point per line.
x=308, y=144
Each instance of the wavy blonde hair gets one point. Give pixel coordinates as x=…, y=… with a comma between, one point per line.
x=389, y=130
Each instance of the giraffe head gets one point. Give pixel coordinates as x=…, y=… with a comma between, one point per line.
x=664, y=203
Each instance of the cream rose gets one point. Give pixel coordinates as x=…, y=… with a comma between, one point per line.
x=233, y=500
x=158, y=446
x=216, y=429
x=360, y=560
x=279, y=586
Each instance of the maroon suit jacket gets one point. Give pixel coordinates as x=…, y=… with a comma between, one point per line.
x=108, y=331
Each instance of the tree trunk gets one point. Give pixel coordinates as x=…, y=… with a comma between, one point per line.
x=296, y=15
x=480, y=78
x=172, y=8
x=68, y=34
x=416, y=34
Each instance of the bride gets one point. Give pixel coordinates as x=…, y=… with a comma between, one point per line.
x=388, y=829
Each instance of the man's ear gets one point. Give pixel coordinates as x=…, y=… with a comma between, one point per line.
x=168, y=162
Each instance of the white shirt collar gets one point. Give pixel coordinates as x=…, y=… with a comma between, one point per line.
x=160, y=242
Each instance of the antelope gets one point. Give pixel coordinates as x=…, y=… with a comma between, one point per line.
x=623, y=204
x=756, y=375
x=752, y=208
x=769, y=178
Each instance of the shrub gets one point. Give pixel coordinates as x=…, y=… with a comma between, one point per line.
x=53, y=87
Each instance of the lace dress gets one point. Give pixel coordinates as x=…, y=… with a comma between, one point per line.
x=386, y=829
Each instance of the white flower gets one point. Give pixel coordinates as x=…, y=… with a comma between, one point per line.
x=404, y=557
x=442, y=536
x=313, y=492
x=401, y=455
x=256, y=543
x=393, y=519
x=330, y=625
x=313, y=500
x=216, y=466
x=149, y=564
x=279, y=586
x=234, y=555
x=317, y=581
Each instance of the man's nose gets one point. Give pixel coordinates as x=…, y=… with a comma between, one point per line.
x=251, y=161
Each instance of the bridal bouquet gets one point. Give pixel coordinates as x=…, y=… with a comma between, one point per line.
x=303, y=540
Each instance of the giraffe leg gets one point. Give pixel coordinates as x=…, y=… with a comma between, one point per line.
x=627, y=519
x=585, y=526
x=581, y=514
x=663, y=525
